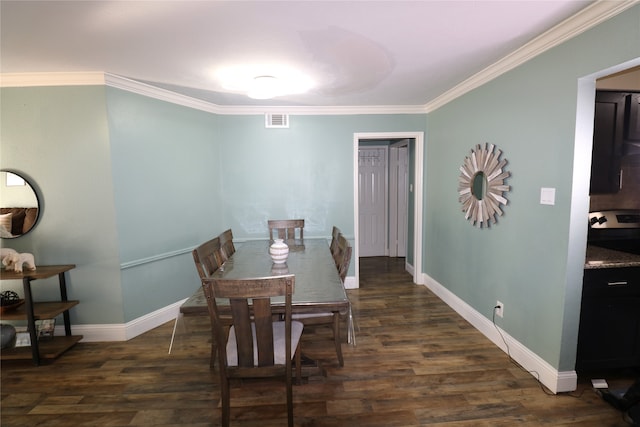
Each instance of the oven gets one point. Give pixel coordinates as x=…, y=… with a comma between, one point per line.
x=615, y=229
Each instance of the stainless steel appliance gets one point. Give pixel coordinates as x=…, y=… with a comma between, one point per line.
x=616, y=229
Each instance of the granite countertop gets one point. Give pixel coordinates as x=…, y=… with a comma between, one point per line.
x=598, y=257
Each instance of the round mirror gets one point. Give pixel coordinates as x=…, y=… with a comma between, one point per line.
x=19, y=206
x=481, y=185
x=478, y=185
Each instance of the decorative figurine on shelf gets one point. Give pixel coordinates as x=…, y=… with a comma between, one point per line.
x=12, y=260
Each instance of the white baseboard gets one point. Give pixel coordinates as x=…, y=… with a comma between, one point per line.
x=126, y=331
x=553, y=379
x=350, y=282
x=409, y=268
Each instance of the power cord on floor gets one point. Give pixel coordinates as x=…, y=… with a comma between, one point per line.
x=535, y=374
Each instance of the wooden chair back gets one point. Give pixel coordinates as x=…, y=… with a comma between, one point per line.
x=226, y=243
x=286, y=229
x=252, y=333
x=335, y=232
x=342, y=256
x=208, y=257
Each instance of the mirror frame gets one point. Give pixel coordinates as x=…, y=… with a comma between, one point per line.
x=484, y=210
x=28, y=182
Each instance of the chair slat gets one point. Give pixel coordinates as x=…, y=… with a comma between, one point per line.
x=286, y=229
x=253, y=324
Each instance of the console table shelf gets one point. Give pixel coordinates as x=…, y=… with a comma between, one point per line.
x=41, y=310
x=50, y=348
x=31, y=311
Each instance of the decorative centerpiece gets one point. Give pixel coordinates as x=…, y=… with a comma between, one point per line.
x=279, y=251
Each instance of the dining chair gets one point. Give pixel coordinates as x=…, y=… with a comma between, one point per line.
x=226, y=244
x=256, y=346
x=335, y=232
x=342, y=260
x=208, y=257
x=342, y=256
x=286, y=229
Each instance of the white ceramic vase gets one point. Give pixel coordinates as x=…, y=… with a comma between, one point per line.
x=279, y=251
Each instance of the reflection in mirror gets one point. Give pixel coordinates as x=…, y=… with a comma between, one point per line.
x=479, y=185
x=19, y=207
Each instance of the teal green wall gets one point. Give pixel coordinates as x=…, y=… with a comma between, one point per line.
x=305, y=171
x=58, y=137
x=523, y=261
x=166, y=179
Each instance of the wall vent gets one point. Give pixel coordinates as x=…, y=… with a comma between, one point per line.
x=276, y=120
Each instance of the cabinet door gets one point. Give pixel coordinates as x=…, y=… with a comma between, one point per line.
x=607, y=142
x=632, y=131
x=609, y=333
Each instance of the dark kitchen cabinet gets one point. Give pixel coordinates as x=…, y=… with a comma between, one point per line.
x=608, y=138
x=632, y=127
x=609, y=336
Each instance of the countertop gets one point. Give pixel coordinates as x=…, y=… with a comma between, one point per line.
x=598, y=257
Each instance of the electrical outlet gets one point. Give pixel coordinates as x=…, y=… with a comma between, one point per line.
x=499, y=309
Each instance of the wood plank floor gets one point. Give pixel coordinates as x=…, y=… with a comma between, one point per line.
x=416, y=363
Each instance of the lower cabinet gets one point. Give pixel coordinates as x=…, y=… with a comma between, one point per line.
x=609, y=335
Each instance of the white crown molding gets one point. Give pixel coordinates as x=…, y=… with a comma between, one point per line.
x=51, y=79
x=150, y=91
x=325, y=110
x=587, y=18
x=186, y=101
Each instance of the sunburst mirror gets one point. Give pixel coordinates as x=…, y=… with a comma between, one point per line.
x=481, y=185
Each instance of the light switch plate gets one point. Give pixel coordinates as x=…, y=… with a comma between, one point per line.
x=547, y=196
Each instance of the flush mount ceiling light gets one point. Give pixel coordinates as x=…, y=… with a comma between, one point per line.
x=264, y=82
x=264, y=87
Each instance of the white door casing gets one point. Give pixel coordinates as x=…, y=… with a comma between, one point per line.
x=398, y=199
x=416, y=188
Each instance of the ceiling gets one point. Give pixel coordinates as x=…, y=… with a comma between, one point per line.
x=357, y=53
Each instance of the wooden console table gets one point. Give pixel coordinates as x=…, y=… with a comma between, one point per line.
x=32, y=311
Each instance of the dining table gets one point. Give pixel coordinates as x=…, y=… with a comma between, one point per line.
x=318, y=287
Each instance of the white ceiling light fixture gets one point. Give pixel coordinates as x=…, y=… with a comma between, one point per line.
x=264, y=82
x=264, y=87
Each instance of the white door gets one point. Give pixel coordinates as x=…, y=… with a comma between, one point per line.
x=402, y=206
x=372, y=203
x=398, y=200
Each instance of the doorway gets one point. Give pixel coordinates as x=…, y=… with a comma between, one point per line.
x=412, y=225
x=383, y=179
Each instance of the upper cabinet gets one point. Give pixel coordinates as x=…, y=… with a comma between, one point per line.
x=608, y=130
x=616, y=133
x=632, y=128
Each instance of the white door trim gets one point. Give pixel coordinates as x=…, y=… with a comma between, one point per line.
x=418, y=185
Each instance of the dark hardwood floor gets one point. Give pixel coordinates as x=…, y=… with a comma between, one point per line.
x=416, y=363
